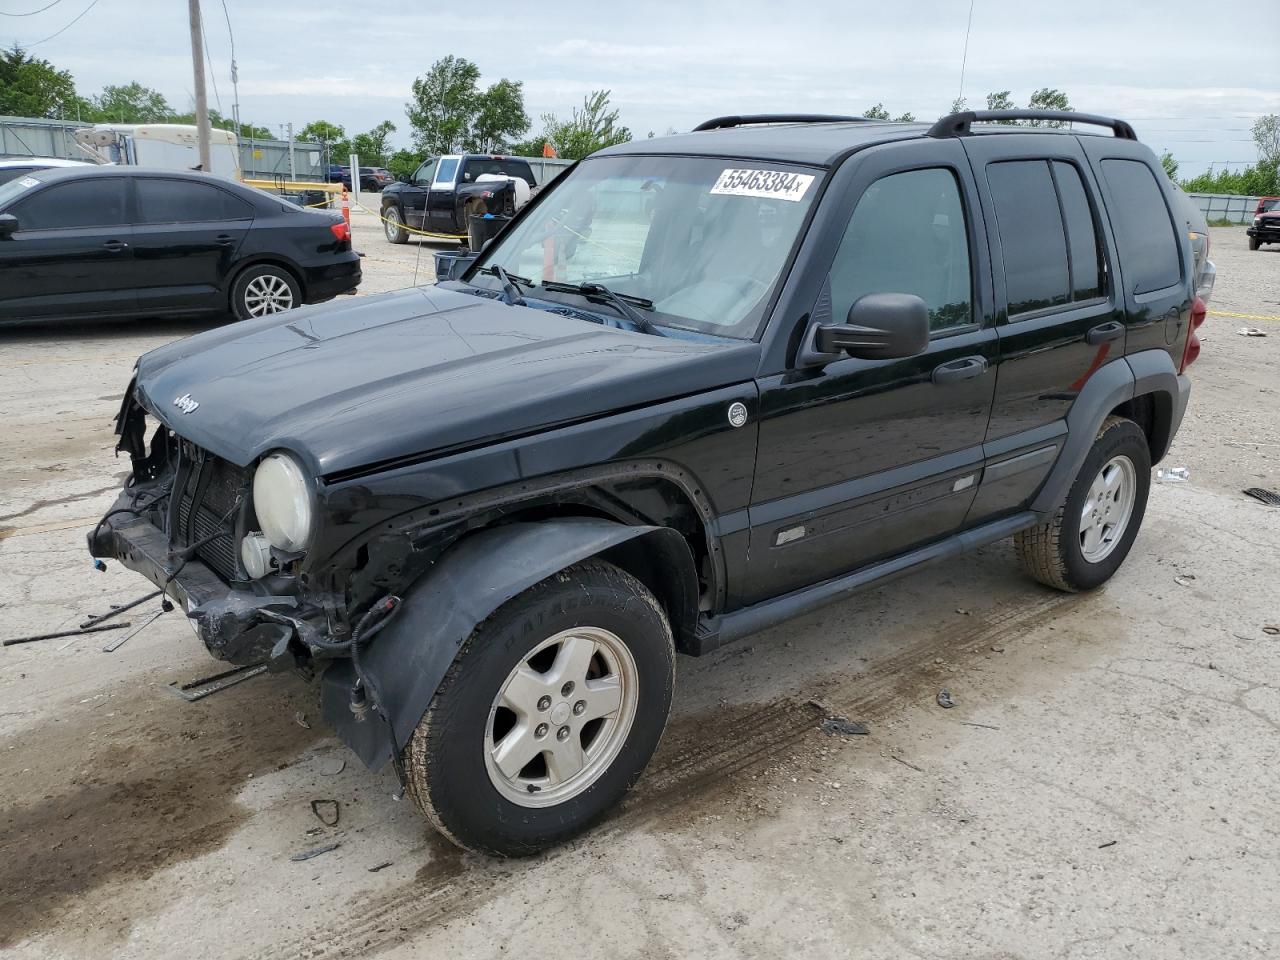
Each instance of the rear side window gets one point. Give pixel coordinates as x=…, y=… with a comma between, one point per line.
x=447, y=170
x=1082, y=233
x=908, y=235
x=92, y=202
x=1032, y=236
x=1144, y=231
x=183, y=201
x=505, y=167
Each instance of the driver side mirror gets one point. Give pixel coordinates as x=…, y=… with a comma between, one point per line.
x=403, y=178
x=881, y=326
x=8, y=225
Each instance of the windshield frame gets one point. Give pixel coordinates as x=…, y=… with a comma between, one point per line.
x=476, y=274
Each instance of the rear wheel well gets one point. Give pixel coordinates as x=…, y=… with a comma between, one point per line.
x=1153, y=413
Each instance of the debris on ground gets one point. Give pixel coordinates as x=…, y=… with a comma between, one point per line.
x=335, y=769
x=1269, y=497
x=1184, y=579
x=834, y=725
x=78, y=632
x=1271, y=630
x=314, y=852
x=1173, y=475
x=945, y=700
x=906, y=763
x=1109, y=843
x=194, y=690
x=984, y=726
x=119, y=608
x=119, y=642
x=326, y=811
x=300, y=719
x=381, y=866
x=1251, y=332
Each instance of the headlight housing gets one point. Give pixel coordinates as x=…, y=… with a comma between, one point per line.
x=284, y=500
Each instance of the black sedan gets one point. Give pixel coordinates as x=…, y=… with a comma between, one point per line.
x=108, y=241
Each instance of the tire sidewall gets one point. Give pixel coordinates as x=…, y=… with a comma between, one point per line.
x=238, y=308
x=1122, y=438
x=464, y=801
x=400, y=234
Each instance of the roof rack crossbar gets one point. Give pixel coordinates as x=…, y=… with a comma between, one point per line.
x=719, y=123
x=957, y=124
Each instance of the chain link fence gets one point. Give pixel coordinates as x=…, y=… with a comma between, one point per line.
x=1226, y=206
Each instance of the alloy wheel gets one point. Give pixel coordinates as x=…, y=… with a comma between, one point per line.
x=1107, y=508
x=561, y=717
x=267, y=294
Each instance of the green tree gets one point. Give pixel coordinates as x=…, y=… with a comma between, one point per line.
x=527, y=148
x=1170, y=166
x=591, y=128
x=1001, y=100
x=443, y=105
x=129, y=103
x=1266, y=134
x=1048, y=98
x=33, y=88
x=1260, y=180
x=878, y=112
x=372, y=146
x=905, y=118
x=402, y=163
x=959, y=105
x=499, y=117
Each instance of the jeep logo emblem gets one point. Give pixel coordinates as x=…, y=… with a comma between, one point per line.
x=186, y=404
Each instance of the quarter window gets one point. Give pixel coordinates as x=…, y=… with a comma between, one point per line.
x=1144, y=231
x=92, y=202
x=182, y=201
x=908, y=235
x=447, y=170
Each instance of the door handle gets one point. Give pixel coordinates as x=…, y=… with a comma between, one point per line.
x=1104, y=333
x=225, y=239
x=115, y=246
x=966, y=368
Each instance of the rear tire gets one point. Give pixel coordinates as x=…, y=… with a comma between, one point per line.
x=1089, y=536
x=549, y=714
x=263, y=290
x=393, y=225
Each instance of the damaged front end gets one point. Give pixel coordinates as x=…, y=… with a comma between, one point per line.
x=180, y=521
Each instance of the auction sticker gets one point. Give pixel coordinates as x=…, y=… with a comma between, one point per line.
x=768, y=184
x=29, y=182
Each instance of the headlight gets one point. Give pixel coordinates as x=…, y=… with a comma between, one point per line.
x=284, y=502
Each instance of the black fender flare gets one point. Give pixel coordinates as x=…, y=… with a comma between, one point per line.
x=1147, y=372
x=407, y=660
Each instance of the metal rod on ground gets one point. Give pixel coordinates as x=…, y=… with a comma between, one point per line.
x=197, y=66
x=92, y=621
x=117, y=642
x=66, y=633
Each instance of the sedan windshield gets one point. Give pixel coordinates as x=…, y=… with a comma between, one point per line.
x=704, y=240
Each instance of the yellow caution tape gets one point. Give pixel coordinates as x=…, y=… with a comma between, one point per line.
x=1241, y=316
x=408, y=229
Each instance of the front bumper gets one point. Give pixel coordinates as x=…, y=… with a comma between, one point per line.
x=236, y=625
x=1267, y=234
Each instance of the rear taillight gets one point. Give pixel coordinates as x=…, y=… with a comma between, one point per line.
x=341, y=230
x=1192, y=349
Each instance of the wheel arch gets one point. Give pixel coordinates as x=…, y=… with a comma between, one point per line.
x=265, y=260
x=473, y=578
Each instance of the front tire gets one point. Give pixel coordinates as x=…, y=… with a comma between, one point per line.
x=1254, y=243
x=393, y=225
x=550, y=712
x=264, y=290
x=1089, y=536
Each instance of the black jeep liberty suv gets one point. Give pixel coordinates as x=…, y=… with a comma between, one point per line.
x=700, y=385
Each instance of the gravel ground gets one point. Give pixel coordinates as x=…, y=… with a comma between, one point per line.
x=1106, y=785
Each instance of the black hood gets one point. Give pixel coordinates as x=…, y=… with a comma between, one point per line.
x=350, y=384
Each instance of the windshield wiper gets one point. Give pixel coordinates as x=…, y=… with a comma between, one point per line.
x=620, y=301
x=510, y=292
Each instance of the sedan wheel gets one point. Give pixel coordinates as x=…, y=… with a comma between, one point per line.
x=267, y=294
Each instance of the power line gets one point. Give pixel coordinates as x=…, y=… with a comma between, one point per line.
x=964, y=60
x=6, y=13
x=66, y=28
x=213, y=74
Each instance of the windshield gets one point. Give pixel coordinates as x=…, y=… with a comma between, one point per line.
x=703, y=239
x=1269, y=205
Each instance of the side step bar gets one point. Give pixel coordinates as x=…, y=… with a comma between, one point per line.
x=718, y=631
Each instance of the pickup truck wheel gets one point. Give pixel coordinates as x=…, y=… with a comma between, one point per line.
x=548, y=715
x=1091, y=533
x=393, y=225
x=264, y=290
x=1254, y=243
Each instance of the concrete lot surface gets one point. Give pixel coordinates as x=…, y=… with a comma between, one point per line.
x=1106, y=786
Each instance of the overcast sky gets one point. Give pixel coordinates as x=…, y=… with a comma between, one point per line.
x=1173, y=67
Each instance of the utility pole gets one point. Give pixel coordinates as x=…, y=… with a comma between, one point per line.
x=202, y=103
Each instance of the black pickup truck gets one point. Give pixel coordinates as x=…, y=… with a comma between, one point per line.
x=444, y=191
x=700, y=385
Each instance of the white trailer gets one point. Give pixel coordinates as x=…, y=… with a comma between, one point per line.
x=169, y=146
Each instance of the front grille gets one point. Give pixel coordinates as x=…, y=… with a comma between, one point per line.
x=210, y=493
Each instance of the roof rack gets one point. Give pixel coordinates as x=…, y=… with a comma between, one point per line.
x=957, y=124
x=718, y=123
